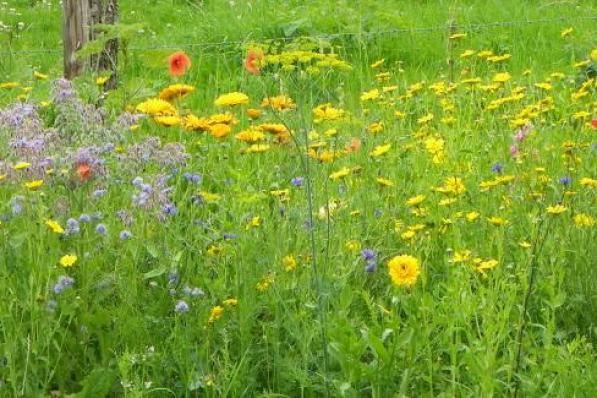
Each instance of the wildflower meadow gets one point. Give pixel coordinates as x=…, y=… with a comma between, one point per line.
x=373, y=198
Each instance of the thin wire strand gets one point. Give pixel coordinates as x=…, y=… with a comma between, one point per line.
x=330, y=36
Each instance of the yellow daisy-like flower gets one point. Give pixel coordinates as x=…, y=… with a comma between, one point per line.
x=34, y=184
x=404, y=270
x=583, y=220
x=230, y=302
x=326, y=112
x=472, y=216
x=588, y=182
x=279, y=103
x=457, y=36
x=256, y=148
x=156, y=107
x=68, y=260
x=343, y=172
x=54, y=226
x=22, y=165
x=370, y=95
x=289, y=263
x=375, y=128
x=557, y=209
x=483, y=266
x=194, y=123
x=254, y=113
x=567, y=32
x=416, y=200
x=250, y=135
x=219, y=130
x=176, y=91
x=232, y=99
x=380, y=150
x=216, y=313
x=9, y=85
x=377, y=64
x=167, y=121
x=501, y=77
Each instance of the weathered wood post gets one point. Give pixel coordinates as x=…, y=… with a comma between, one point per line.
x=75, y=35
x=105, y=12
x=80, y=20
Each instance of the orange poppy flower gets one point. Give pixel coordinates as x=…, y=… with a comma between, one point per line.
x=84, y=171
x=253, y=60
x=179, y=63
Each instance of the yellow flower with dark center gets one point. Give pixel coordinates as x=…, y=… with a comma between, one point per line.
x=223, y=118
x=404, y=270
x=68, y=260
x=375, y=128
x=232, y=99
x=176, y=91
x=54, y=226
x=22, y=165
x=101, y=80
x=265, y=283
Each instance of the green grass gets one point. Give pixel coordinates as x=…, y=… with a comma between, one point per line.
x=326, y=327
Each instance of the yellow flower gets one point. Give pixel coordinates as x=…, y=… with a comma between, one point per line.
x=54, y=226
x=214, y=250
x=219, y=130
x=265, y=283
x=588, y=182
x=343, y=172
x=375, y=128
x=472, y=216
x=380, y=150
x=425, y=119
x=467, y=53
x=583, y=220
x=409, y=234
x=256, y=148
x=230, y=302
x=486, y=265
x=352, y=246
x=567, y=32
x=194, y=123
x=68, y=260
x=22, y=165
x=9, y=85
x=415, y=200
x=253, y=113
x=289, y=263
x=280, y=103
x=461, y=256
x=216, y=313
x=232, y=99
x=101, y=80
x=524, y=244
x=499, y=58
x=557, y=209
x=326, y=112
x=497, y=221
x=34, y=184
x=404, y=270
x=255, y=222
x=384, y=182
x=457, y=36
x=40, y=76
x=250, y=135
x=167, y=121
x=156, y=107
x=176, y=91
x=501, y=77
x=370, y=95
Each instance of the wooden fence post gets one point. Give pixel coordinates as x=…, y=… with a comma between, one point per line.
x=105, y=12
x=75, y=35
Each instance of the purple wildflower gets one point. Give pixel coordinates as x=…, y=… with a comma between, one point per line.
x=566, y=180
x=297, y=181
x=181, y=307
x=497, y=168
x=64, y=282
x=101, y=229
x=125, y=234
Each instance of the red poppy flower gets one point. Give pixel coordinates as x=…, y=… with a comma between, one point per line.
x=84, y=171
x=179, y=63
x=253, y=60
x=594, y=123
x=354, y=145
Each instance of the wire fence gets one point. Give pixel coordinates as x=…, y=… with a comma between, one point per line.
x=462, y=28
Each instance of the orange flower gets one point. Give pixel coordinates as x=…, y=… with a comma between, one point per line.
x=84, y=171
x=179, y=63
x=253, y=60
x=354, y=145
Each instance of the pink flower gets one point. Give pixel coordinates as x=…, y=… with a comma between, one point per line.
x=514, y=151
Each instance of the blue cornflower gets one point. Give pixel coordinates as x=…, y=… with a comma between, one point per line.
x=101, y=229
x=64, y=282
x=497, y=168
x=181, y=307
x=566, y=180
x=297, y=181
x=124, y=235
x=85, y=218
x=170, y=209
